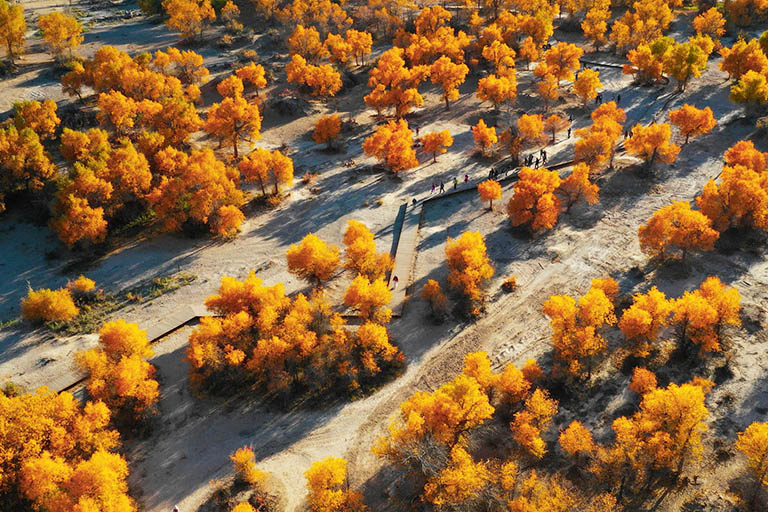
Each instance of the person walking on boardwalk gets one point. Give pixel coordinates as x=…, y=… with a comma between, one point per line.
x=466, y=178
x=455, y=183
x=433, y=188
x=442, y=187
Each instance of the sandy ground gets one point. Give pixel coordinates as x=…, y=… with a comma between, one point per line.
x=179, y=463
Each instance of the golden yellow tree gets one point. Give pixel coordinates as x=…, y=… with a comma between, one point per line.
x=12, y=29
x=562, y=60
x=61, y=32
x=313, y=259
x=232, y=120
x=701, y=315
x=587, y=84
x=327, y=129
x=361, y=252
x=46, y=305
x=533, y=200
x=395, y=85
x=489, y=190
x=370, y=298
x=692, y=122
x=306, y=42
x=436, y=142
x=264, y=167
x=576, y=325
x=577, y=186
x=643, y=320
x=753, y=444
x=118, y=372
x=651, y=143
x=677, y=226
x=392, y=144
x=329, y=487
x=468, y=264
x=25, y=163
x=189, y=17
x=498, y=89
x=323, y=80
x=710, y=23
x=485, y=136
x=554, y=124
x=40, y=117
x=449, y=76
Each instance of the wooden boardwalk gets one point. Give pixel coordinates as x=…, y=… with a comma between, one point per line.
x=404, y=246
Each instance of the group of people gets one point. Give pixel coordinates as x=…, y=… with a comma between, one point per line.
x=535, y=161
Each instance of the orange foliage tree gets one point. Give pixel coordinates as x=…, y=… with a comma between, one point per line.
x=189, y=17
x=742, y=57
x=663, y=434
x=449, y=76
x=282, y=345
x=254, y=75
x=329, y=487
x=119, y=374
x=45, y=305
x=322, y=80
x=263, y=167
x=392, y=144
x=530, y=128
x=692, y=122
x=433, y=294
x=562, y=60
x=468, y=265
x=575, y=328
x=679, y=227
x=701, y=314
x=587, y=84
x=313, y=259
x=643, y=320
x=555, y=124
x=61, y=32
x=58, y=455
x=436, y=142
x=710, y=23
x=361, y=252
x=643, y=381
x=370, y=298
x=232, y=120
x=193, y=187
x=395, y=85
x=753, y=444
x=533, y=200
x=577, y=186
x=306, y=42
x=13, y=28
x=485, y=136
x=40, y=117
x=489, y=190
x=25, y=163
x=327, y=129
x=741, y=199
x=751, y=89
x=652, y=142
x=498, y=89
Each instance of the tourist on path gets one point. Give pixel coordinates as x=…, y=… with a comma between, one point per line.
x=442, y=187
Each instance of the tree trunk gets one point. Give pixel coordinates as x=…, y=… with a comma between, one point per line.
x=447, y=106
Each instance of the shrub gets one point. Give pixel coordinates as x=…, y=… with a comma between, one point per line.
x=510, y=284
x=46, y=305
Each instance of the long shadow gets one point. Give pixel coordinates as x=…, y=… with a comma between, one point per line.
x=312, y=214
x=198, y=435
